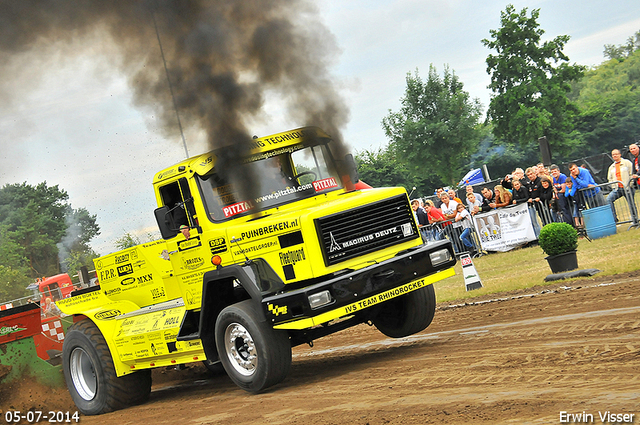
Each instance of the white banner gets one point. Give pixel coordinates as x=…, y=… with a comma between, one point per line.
x=505, y=228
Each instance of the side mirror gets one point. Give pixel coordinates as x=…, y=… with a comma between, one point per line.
x=165, y=222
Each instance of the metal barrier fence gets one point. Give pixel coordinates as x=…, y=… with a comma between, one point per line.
x=438, y=231
x=622, y=200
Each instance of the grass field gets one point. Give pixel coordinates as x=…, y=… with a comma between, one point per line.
x=527, y=267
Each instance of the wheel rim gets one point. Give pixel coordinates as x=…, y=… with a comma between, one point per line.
x=240, y=349
x=83, y=374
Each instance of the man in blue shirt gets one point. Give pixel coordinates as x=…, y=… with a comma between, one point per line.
x=582, y=179
x=559, y=180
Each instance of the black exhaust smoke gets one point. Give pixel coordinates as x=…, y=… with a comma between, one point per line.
x=223, y=58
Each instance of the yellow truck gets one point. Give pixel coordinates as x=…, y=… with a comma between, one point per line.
x=237, y=281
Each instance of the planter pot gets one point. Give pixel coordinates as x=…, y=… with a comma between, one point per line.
x=563, y=262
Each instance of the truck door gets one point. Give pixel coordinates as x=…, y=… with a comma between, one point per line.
x=186, y=249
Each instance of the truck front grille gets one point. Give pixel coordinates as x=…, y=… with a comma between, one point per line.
x=365, y=229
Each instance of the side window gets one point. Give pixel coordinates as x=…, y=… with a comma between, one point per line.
x=54, y=291
x=177, y=197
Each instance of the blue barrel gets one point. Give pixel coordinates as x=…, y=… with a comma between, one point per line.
x=599, y=222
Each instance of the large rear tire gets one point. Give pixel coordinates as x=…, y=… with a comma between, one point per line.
x=254, y=355
x=407, y=314
x=91, y=377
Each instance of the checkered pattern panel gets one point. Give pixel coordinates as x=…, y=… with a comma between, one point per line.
x=53, y=330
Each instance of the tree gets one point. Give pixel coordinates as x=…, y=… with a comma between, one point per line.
x=127, y=240
x=624, y=50
x=381, y=168
x=530, y=82
x=609, y=100
x=435, y=130
x=13, y=284
x=37, y=224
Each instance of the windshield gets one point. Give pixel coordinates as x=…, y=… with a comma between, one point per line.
x=282, y=178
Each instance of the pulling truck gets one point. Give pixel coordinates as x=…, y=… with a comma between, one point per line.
x=238, y=281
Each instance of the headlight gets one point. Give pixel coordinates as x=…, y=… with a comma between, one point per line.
x=320, y=299
x=440, y=256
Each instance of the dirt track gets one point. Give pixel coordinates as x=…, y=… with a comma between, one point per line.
x=519, y=360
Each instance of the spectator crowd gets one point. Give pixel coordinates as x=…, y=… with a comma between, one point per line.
x=551, y=196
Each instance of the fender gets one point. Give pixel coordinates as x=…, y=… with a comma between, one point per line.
x=256, y=277
x=102, y=311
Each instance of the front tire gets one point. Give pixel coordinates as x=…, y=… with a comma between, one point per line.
x=91, y=377
x=254, y=355
x=407, y=314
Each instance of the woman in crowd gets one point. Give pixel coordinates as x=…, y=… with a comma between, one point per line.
x=503, y=197
x=546, y=195
x=520, y=193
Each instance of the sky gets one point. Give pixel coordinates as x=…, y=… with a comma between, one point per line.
x=70, y=120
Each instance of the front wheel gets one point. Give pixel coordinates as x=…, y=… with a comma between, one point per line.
x=91, y=377
x=254, y=355
x=407, y=314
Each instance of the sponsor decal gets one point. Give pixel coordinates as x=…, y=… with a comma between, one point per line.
x=272, y=228
x=107, y=274
x=237, y=208
x=128, y=281
x=154, y=243
x=292, y=257
x=172, y=321
x=6, y=330
x=145, y=278
x=122, y=258
x=170, y=335
x=125, y=269
x=113, y=291
x=139, y=264
x=193, y=263
x=167, y=173
x=260, y=246
x=217, y=246
x=387, y=295
x=277, y=310
x=107, y=314
x=323, y=184
x=208, y=160
x=142, y=353
x=189, y=244
x=337, y=246
x=407, y=229
x=157, y=293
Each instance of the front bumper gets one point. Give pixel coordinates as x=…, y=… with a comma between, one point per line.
x=360, y=289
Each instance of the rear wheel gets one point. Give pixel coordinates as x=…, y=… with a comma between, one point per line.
x=254, y=355
x=407, y=314
x=91, y=377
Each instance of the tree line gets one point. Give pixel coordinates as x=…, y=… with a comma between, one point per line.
x=439, y=133
x=41, y=235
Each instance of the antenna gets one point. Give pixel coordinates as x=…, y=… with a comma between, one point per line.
x=233, y=239
x=173, y=97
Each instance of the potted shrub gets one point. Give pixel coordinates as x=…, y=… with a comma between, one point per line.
x=559, y=241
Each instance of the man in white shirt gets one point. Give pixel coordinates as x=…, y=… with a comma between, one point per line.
x=448, y=207
x=620, y=174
